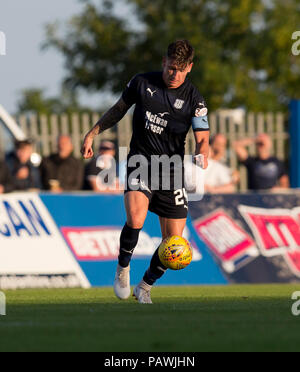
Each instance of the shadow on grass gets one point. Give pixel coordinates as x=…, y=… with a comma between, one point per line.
x=233, y=323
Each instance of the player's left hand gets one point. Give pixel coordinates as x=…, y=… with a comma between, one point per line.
x=201, y=160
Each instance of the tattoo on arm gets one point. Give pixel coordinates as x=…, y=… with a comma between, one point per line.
x=110, y=118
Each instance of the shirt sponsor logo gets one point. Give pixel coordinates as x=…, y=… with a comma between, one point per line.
x=156, y=119
x=155, y=122
x=163, y=114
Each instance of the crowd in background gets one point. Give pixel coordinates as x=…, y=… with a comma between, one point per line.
x=62, y=172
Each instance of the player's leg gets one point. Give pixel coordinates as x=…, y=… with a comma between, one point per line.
x=169, y=227
x=136, y=204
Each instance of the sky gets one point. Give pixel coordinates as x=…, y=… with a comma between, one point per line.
x=25, y=65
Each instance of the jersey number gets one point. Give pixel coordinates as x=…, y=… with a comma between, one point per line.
x=180, y=196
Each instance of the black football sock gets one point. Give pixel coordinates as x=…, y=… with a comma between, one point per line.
x=155, y=271
x=128, y=241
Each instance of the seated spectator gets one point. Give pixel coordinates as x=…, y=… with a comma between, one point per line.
x=105, y=163
x=265, y=172
x=25, y=175
x=219, y=153
x=219, y=178
x=62, y=171
x=218, y=144
x=6, y=181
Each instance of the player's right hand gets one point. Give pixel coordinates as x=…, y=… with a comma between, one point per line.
x=87, y=148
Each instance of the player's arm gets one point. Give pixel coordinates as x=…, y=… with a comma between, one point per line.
x=108, y=120
x=283, y=179
x=201, y=128
x=202, y=145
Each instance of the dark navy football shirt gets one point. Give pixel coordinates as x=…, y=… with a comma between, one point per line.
x=163, y=117
x=263, y=174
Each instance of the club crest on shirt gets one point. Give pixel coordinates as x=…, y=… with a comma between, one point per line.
x=178, y=104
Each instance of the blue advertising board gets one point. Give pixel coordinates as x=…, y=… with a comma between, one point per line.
x=72, y=240
x=91, y=226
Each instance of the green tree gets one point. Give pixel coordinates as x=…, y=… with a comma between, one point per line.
x=35, y=100
x=243, y=48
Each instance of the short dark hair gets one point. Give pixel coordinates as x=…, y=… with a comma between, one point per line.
x=24, y=143
x=182, y=52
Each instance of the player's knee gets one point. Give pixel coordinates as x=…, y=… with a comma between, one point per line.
x=170, y=233
x=135, y=222
x=135, y=219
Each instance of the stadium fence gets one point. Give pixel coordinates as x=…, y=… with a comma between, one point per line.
x=44, y=130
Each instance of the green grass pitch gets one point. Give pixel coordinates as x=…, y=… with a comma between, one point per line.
x=229, y=318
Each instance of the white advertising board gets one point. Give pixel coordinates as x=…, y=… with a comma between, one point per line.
x=33, y=252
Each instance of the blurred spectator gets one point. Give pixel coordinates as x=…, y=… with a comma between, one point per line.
x=25, y=175
x=106, y=164
x=62, y=171
x=218, y=178
x=265, y=172
x=6, y=181
x=218, y=145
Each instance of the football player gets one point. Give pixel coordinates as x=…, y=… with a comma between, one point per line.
x=167, y=104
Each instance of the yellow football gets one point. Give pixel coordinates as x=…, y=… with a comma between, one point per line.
x=175, y=253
